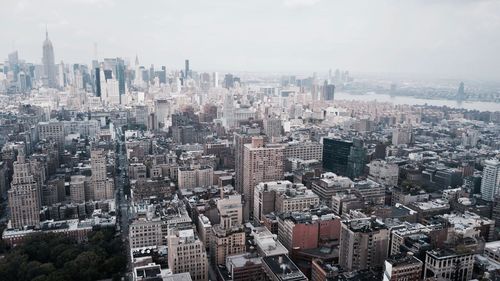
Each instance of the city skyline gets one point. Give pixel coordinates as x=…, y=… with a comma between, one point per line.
x=278, y=140
x=286, y=37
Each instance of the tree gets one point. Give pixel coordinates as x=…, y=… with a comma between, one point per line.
x=54, y=257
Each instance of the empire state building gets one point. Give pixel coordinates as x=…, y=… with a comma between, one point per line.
x=49, y=67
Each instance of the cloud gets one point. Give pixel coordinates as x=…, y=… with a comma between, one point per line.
x=98, y=3
x=300, y=3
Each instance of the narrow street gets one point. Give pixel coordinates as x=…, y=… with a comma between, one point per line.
x=122, y=202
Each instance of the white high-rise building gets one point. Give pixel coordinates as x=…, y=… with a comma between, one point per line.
x=61, y=75
x=228, y=111
x=111, y=92
x=215, y=79
x=102, y=187
x=490, y=184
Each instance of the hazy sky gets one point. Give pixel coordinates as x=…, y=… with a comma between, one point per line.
x=447, y=38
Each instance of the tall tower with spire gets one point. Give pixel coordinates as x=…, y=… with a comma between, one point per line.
x=48, y=61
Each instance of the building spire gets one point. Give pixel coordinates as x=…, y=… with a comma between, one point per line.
x=46, y=32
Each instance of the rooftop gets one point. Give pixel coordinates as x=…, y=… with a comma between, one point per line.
x=466, y=221
x=432, y=204
x=283, y=268
x=365, y=225
x=403, y=260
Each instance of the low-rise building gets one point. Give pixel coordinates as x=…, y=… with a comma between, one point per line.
x=449, y=264
x=407, y=268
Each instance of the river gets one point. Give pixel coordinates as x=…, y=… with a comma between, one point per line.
x=470, y=105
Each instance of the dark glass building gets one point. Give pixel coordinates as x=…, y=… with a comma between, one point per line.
x=120, y=76
x=357, y=159
x=336, y=155
x=97, y=82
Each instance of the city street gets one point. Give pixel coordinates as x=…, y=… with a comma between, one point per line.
x=122, y=202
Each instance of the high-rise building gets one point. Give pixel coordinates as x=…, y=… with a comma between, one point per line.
x=336, y=155
x=461, y=92
x=77, y=189
x=102, y=187
x=228, y=81
x=228, y=111
x=328, y=91
x=490, y=183
x=262, y=162
x=356, y=160
x=97, y=76
x=24, y=195
x=402, y=135
x=186, y=69
x=162, y=110
x=48, y=61
x=364, y=244
x=14, y=62
x=120, y=76
x=272, y=127
x=22, y=80
x=226, y=240
x=186, y=253
x=231, y=207
x=215, y=79
x=240, y=139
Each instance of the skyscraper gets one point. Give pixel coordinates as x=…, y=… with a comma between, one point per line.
x=49, y=67
x=328, y=91
x=461, y=92
x=240, y=139
x=97, y=82
x=24, y=195
x=228, y=81
x=14, y=63
x=262, y=162
x=186, y=69
x=490, y=184
x=102, y=188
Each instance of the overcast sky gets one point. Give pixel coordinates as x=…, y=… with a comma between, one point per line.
x=446, y=38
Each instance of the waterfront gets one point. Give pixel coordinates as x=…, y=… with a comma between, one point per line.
x=470, y=105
